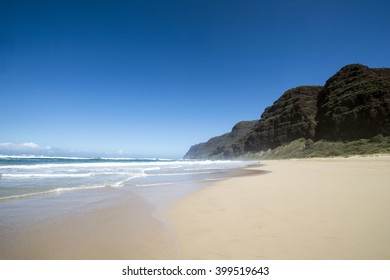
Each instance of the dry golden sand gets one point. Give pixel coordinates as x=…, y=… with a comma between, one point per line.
x=303, y=209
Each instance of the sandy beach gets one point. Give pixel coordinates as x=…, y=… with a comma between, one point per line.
x=100, y=223
x=337, y=208
x=122, y=226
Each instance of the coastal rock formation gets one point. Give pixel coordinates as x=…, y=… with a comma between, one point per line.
x=291, y=117
x=354, y=104
x=224, y=146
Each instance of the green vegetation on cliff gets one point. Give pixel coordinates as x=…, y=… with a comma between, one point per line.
x=336, y=119
x=302, y=148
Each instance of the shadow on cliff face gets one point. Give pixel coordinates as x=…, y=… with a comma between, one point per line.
x=354, y=104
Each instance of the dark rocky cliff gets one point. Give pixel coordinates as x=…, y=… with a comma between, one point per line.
x=291, y=117
x=353, y=104
x=225, y=146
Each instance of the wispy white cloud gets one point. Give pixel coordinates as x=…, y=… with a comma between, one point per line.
x=16, y=146
x=5, y=144
x=31, y=148
x=30, y=145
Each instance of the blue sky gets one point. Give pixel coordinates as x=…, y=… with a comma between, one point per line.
x=152, y=78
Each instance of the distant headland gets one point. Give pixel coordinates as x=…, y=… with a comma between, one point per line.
x=349, y=115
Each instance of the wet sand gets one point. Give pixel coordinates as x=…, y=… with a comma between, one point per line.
x=303, y=209
x=291, y=209
x=108, y=223
x=122, y=226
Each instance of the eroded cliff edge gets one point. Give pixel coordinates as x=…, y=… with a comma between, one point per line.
x=353, y=104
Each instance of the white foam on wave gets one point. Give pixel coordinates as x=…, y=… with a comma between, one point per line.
x=140, y=174
x=113, y=164
x=59, y=175
x=30, y=176
x=154, y=184
x=120, y=172
x=137, y=159
x=151, y=168
x=180, y=174
x=121, y=183
x=42, y=157
x=52, y=191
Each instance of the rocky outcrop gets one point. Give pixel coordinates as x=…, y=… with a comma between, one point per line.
x=291, y=117
x=354, y=104
x=225, y=146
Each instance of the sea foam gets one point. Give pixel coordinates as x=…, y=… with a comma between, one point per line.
x=28, y=176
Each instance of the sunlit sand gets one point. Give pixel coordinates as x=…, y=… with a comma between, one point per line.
x=303, y=209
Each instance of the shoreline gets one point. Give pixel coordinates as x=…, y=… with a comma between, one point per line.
x=322, y=208
x=103, y=223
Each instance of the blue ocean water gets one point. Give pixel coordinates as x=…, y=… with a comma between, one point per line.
x=24, y=177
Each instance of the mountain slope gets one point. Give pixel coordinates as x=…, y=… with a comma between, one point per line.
x=224, y=146
x=291, y=117
x=353, y=104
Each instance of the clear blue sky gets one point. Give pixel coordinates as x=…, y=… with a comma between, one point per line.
x=153, y=77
